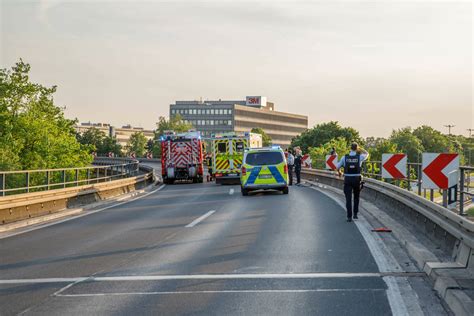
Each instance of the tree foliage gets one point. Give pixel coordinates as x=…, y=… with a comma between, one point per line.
x=318, y=154
x=408, y=143
x=174, y=123
x=137, y=144
x=34, y=134
x=266, y=140
x=377, y=147
x=324, y=133
x=100, y=142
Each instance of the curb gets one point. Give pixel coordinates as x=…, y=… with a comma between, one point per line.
x=71, y=212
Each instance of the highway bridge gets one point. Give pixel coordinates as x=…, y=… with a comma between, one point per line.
x=203, y=249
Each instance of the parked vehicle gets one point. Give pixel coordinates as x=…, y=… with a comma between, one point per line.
x=182, y=157
x=264, y=168
x=227, y=155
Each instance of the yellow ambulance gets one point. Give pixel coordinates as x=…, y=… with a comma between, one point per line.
x=228, y=153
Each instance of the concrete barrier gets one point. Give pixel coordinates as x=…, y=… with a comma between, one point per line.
x=25, y=206
x=449, y=231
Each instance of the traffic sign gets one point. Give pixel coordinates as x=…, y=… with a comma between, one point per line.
x=331, y=161
x=394, y=166
x=306, y=161
x=440, y=171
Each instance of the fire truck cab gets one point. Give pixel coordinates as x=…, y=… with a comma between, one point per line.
x=182, y=157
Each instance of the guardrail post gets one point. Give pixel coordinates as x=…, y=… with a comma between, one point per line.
x=76, y=177
x=97, y=174
x=47, y=180
x=461, y=193
x=105, y=174
x=27, y=182
x=122, y=171
x=63, y=176
x=445, y=198
x=431, y=195
x=2, y=184
x=419, y=180
x=88, y=172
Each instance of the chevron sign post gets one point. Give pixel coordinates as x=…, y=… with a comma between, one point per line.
x=331, y=161
x=394, y=166
x=440, y=171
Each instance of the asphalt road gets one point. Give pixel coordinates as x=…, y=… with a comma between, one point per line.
x=198, y=249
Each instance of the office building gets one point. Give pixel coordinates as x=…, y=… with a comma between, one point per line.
x=122, y=134
x=222, y=116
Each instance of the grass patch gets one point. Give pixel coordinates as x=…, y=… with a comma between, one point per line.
x=470, y=211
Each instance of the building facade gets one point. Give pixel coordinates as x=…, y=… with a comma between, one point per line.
x=122, y=134
x=215, y=117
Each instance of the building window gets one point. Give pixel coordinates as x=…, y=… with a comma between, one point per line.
x=212, y=111
x=211, y=122
x=207, y=112
x=173, y=111
x=229, y=122
x=230, y=111
x=186, y=111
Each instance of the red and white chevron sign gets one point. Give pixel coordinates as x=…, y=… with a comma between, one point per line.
x=394, y=166
x=331, y=161
x=440, y=171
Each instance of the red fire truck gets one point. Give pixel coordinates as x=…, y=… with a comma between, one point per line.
x=182, y=157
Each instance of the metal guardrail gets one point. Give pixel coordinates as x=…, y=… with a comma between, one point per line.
x=104, y=169
x=373, y=170
x=459, y=227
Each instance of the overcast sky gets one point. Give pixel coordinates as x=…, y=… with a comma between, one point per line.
x=375, y=66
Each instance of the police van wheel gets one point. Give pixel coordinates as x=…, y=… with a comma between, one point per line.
x=245, y=192
x=285, y=190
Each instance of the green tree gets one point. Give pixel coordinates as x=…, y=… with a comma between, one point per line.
x=407, y=143
x=381, y=146
x=100, y=142
x=34, y=134
x=323, y=133
x=174, y=123
x=432, y=140
x=266, y=140
x=110, y=144
x=136, y=144
x=318, y=154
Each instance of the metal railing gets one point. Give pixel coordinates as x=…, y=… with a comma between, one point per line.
x=26, y=181
x=373, y=169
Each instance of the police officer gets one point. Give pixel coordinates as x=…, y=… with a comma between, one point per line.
x=298, y=161
x=291, y=162
x=352, y=164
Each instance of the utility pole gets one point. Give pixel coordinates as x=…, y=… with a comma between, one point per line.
x=449, y=128
x=470, y=131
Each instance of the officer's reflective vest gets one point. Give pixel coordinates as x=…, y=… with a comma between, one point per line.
x=352, y=164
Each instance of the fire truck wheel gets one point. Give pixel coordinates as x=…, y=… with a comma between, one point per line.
x=245, y=192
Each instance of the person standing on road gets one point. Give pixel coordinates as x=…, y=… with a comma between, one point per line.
x=352, y=164
x=298, y=161
x=291, y=162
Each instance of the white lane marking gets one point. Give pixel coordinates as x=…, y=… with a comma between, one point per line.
x=383, y=258
x=231, y=191
x=218, y=292
x=237, y=276
x=199, y=219
x=81, y=215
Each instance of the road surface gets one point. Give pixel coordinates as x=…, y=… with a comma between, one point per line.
x=201, y=249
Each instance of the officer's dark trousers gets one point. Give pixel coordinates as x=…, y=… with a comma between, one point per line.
x=352, y=185
x=290, y=174
x=298, y=174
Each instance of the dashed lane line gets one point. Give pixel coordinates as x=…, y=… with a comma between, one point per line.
x=200, y=219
